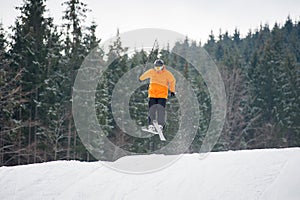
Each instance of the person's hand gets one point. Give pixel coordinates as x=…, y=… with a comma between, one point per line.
x=172, y=94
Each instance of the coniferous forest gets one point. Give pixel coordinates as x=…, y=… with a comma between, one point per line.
x=40, y=60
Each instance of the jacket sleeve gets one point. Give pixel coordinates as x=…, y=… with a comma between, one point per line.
x=172, y=82
x=145, y=75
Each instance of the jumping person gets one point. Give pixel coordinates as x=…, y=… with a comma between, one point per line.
x=161, y=81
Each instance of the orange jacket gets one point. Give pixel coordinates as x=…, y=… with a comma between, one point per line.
x=160, y=81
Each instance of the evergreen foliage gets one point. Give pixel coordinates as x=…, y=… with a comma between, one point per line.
x=39, y=63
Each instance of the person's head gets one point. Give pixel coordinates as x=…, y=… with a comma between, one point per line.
x=158, y=65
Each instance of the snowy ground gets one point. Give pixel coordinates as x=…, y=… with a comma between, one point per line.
x=236, y=175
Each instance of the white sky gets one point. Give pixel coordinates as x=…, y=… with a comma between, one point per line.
x=194, y=18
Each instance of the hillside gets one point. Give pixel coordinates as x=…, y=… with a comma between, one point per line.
x=253, y=174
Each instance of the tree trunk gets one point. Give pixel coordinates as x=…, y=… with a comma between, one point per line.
x=29, y=137
x=74, y=145
x=35, y=126
x=69, y=137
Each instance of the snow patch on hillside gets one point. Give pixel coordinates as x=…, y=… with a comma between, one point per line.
x=253, y=174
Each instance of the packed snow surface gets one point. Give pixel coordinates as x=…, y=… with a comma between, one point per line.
x=269, y=174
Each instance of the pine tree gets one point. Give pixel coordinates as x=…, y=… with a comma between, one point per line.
x=53, y=94
x=8, y=103
x=74, y=17
x=29, y=52
x=90, y=39
x=139, y=107
x=272, y=78
x=286, y=107
x=117, y=67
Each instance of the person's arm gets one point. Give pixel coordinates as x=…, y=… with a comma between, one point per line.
x=145, y=75
x=172, y=83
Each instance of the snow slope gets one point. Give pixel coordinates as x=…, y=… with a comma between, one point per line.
x=235, y=175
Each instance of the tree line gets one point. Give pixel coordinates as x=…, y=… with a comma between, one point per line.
x=40, y=60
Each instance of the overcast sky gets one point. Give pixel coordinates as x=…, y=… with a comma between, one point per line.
x=194, y=18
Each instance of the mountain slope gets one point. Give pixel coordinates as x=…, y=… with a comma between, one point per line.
x=253, y=174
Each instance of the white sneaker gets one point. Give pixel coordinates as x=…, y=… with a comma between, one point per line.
x=151, y=128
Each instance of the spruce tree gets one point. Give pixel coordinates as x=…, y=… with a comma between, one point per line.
x=74, y=16
x=8, y=103
x=29, y=53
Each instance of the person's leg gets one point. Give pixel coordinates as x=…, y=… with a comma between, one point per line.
x=161, y=104
x=152, y=104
